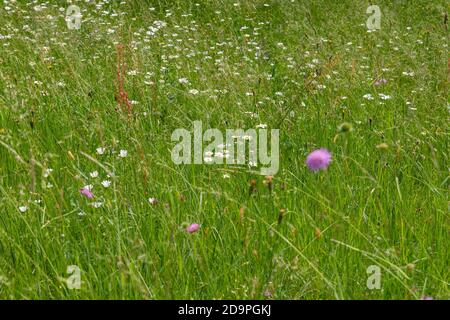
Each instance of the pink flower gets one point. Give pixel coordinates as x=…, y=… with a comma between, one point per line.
x=380, y=82
x=193, y=228
x=318, y=159
x=87, y=193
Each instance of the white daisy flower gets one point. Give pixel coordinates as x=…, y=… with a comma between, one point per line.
x=100, y=150
x=106, y=183
x=123, y=153
x=94, y=174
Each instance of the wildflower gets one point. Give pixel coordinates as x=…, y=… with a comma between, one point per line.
x=345, y=127
x=208, y=159
x=384, y=96
x=193, y=91
x=47, y=172
x=251, y=114
x=193, y=228
x=252, y=164
x=94, y=174
x=123, y=153
x=23, y=209
x=368, y=96
x=261, y=126
x=268, y=182
x=153, y=201
x=318, y=159
x=183, y=81
x=106, y=183
x=380, y=82
x=97, y=204
x=100, y=150
x=426, y=298
x=86, y=191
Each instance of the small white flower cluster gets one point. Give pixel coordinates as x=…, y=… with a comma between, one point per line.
x=105, y=183
x=157, y=25
x=122, y=153
x=368, y=96
x=220, y=152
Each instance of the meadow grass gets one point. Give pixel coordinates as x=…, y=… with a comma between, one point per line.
x=304, y=67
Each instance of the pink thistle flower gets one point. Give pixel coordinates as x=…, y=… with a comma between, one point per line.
x=87, y=193
x=193, y=228
x=318, y=159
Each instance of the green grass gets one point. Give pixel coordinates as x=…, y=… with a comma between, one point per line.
x=373, y=206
